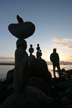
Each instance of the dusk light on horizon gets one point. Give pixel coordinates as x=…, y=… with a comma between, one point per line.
x=53, y=21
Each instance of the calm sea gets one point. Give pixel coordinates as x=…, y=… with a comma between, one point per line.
x=66, y=67
x=4, y=69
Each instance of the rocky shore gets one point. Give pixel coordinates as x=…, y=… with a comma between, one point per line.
x=38, y=92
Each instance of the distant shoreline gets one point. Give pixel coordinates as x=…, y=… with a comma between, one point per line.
x=7, y=64
x=47, y=63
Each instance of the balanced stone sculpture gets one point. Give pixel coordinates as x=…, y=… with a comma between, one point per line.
x=31, y=49
x=38, y=53
x=31, y=57
x=20, y=30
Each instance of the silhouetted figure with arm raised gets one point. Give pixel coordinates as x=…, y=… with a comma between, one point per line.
x=54, y=57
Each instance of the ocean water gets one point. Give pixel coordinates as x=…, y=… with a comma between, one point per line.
x=5, y=68
x=66, y=67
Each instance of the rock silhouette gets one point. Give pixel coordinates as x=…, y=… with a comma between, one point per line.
x=22, y=29
x=38, y=53
x=19, y=19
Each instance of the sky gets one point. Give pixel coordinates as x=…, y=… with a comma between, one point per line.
x=53, y=23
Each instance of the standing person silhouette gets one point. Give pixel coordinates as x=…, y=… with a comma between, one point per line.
x=54, y=57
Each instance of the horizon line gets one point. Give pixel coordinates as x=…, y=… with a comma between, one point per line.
x=12, y=58
x=49, y=63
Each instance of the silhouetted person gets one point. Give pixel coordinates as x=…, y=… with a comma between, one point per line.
x=54, y=57
x=21, y=60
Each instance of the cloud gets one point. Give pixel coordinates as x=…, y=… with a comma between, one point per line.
x=63, y=42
